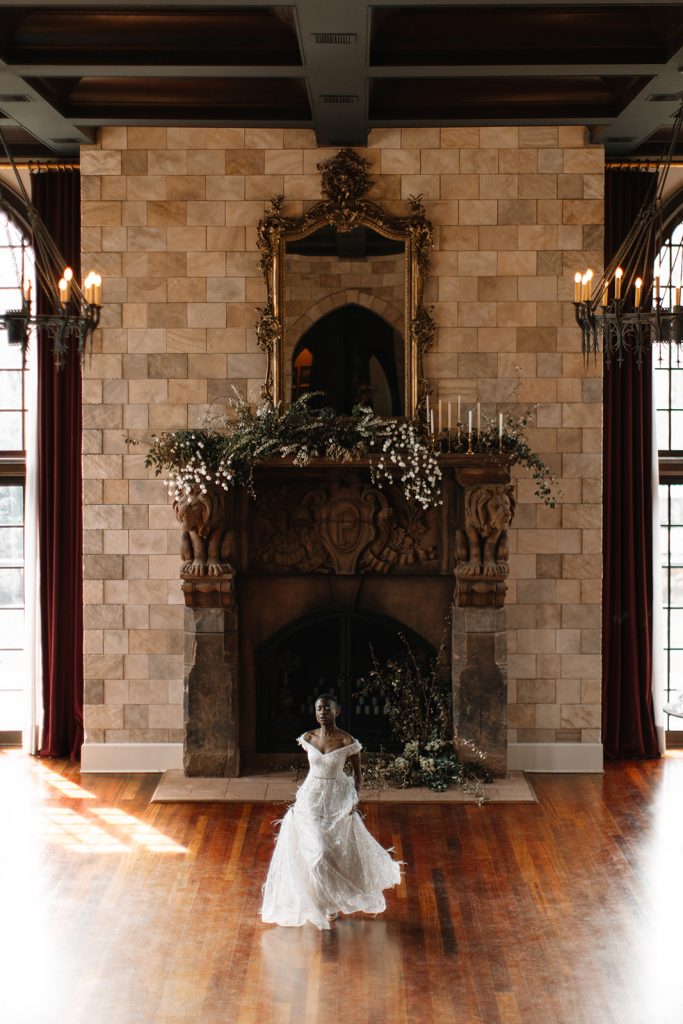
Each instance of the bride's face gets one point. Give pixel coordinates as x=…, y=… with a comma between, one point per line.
x=326, y=712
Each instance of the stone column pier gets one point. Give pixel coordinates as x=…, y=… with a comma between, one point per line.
x=479, y=678
x=211, y=686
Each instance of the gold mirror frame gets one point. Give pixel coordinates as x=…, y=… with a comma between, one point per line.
x=345, y=180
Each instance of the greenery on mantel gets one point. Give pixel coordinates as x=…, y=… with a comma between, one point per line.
x=225, y=453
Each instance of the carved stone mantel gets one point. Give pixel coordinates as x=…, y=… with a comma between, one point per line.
x=328, y=521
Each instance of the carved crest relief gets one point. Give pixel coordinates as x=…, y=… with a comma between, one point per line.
x=343, y=527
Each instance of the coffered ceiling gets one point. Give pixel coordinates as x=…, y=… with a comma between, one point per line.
x=340, y=67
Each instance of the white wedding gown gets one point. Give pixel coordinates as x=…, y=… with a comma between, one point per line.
x=325, y=860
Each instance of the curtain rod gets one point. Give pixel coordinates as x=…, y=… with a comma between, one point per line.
x=638, y=165
x=35, y=166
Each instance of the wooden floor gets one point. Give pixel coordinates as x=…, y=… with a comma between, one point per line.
x=118, y=911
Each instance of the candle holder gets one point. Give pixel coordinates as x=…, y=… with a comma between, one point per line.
x=470, y=450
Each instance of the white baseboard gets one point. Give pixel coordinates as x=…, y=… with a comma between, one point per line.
x=555, y=757
x=131, y=757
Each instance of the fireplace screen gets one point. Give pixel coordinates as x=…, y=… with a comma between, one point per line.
x=327, y=654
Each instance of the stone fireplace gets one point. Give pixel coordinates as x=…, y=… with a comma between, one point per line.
x=323, y=566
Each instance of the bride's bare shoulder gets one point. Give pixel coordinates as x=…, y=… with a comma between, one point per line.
x=347, y=738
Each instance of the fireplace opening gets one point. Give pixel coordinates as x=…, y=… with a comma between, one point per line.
x=355, y=357
x=327, y=653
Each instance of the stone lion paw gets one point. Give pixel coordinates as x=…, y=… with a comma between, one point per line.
x=472, y=568
x=496, y=568
x=194, y=567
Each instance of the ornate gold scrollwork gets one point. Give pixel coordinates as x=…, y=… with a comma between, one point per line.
x=345, y=179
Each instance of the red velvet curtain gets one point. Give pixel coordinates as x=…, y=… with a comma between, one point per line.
x=628, y=725
x=56, y=195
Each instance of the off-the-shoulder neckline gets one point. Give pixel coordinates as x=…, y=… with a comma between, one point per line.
x=324, y=753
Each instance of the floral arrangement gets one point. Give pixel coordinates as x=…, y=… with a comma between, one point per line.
x=225, y=453
x=418, y=703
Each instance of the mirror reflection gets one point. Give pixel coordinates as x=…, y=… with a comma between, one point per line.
x=344, y=311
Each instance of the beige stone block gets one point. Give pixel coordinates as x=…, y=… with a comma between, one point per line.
x=103, y=716
x=420, y=138
x=134, y=214
x=582, y=211
x=570, y=186
x=147, y=691
x=540, y=137
x=147, y=392
x=142, y=187
x=101, y=214
x=115, y=641
x=550, y=161
x=547, y=716
x=134, y=162
x=459, y=138
x=591, y=643
x=468, y=314
x=517, y=211
x=536, y=641
x=163, y=567
x=191, y=339
x=578, y=716
x=114, y=239
x=495, y=339
x=549, y=211
x=147, y=492
x=242, y=213
x=136, y=666
x=99, y=162
x=103, y=666
x=479, y=161
x=499, y=186
x=427, y=185
x=516, y=264
x=593, y=186
x=167, y=213
x=568, y=390
x=168, y=417
x=459, y=186
x=517, y=161
x=538, y=237
x=93, y=643
x=136, y=416
x=456, y=238
x=206, y=212
x=186, y=186
x=538, y=186
x=457, y=289
x=206, y=314
x=166, y=716
x=186, y=289
x=225, y=289
x=185, y=392
x=167, y=161
x=478, y=211
x=186, y=239
x=590, y=160
x=537, y=289
x=516, y=314
x=522, y=716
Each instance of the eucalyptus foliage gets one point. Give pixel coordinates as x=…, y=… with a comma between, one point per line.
x=226, y=453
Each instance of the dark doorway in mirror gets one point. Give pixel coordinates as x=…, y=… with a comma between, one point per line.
x=329, y=653
x=354, y=357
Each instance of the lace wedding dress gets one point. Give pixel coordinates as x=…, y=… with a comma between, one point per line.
x=325, y=860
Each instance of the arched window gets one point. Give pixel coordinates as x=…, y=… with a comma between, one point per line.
x=16, y=266
x=668, y=380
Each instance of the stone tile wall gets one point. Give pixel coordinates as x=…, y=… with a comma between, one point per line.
x=169, y=218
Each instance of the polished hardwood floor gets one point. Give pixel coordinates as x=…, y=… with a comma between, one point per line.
x=118, y=911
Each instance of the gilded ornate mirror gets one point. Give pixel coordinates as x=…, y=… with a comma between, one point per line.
x=344, y=312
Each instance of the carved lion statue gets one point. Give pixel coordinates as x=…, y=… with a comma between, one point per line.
x=202, y=517
x=481, y=548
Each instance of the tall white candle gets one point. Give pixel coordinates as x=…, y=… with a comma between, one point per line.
x=459, y=418
x=431, y=420
x=469, y=422
x=440, y=419
x=449, y=416
x=479, y=417
x=500, y=425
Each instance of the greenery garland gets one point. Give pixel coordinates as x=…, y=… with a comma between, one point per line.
x=398, y=451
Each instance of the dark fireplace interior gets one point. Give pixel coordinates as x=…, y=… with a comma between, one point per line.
x=355, y=357
x=328, y=653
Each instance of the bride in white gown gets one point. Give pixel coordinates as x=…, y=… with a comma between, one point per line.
x=325, y=860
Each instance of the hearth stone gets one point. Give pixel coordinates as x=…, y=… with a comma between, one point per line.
x=211, y=688
x=479, y=676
